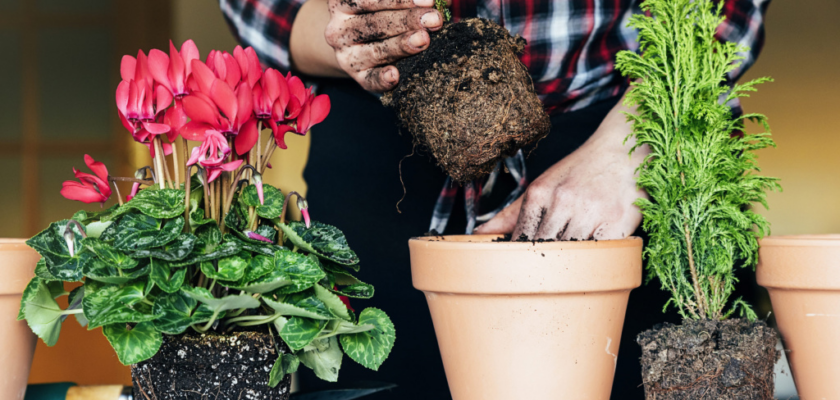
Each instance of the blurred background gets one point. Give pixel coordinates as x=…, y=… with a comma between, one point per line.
x=60, y=68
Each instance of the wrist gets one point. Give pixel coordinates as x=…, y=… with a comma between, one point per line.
x=309, y=52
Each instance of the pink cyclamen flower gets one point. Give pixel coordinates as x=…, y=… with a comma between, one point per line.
x=303, y=206
x=90, y=188
x=140, y=101
x=256, y=236
x=313, y=112
x=249, y=65
x=217, y=106
x=173, y=71
x=212, y=155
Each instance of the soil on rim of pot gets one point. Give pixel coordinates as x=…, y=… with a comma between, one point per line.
x=211, y=367
x=468, y=98
x=715, y=360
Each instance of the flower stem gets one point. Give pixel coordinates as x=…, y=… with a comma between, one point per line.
x=268, y=153
x=158, y=163
x=209, y=323
x=176, y=164
x=117, y=189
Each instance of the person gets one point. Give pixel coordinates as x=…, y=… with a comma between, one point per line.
x=583, y=184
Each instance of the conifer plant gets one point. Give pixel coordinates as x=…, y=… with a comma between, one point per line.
x=702, y=179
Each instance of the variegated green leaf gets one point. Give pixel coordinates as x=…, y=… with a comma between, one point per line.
x=372, y=347
x=43, y=272
x=336, y=306
x=103, y=305
x=228, y=269
x=300, y=331
x=309, y=307
x=135, y=345
x=142, y=232
x=51, y=245
x=177, y=312
x=258, y=267
x=166, y=278
x=324, y=240
x=109, y=254
x=273, y=200
x=175, y=251
x=102, y=271
x=157, y=203
x=223, y=250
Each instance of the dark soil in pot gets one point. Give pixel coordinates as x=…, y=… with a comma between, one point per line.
x=720, y=360
x=468, y=99
x=211, y=367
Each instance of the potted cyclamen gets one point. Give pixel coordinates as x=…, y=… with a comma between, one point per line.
x=701, y=176
x=198, y=282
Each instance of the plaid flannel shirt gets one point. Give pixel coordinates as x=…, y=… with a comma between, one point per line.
x=570, y=52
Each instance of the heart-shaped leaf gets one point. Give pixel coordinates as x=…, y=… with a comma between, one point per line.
x=303, y=271
x=321, y=239
x=223, y=250
x=42, y=313
x=285, y=364
x=86, y=217
x=43, y=272
x=323, y=357
x=141, y=232
x=156, y=203
x=103, y=305
x=50, y=244
x=103, y=271
x=177, y=312
x=109, y=254
x=135, y=345
x=273, y=198
x=228, y=269
x=166, y=278
x=300, y=331
x=372, y=347
x=175, y=251
x=254, y=246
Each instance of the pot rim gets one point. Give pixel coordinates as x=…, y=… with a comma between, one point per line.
x=822, y=240
x=482, y=242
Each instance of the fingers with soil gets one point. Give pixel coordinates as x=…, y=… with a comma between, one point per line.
x=503, y=222
x=381, y=79
x=366, y=28
x=366, y=6
x=531, y=214
x=390, y=50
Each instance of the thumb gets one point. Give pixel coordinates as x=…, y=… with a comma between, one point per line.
x=503, y=222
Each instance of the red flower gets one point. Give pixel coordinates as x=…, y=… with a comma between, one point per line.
x=173, y=71
x=314, y=111
x=218, y=107
x=90, y=188
x=140, y=100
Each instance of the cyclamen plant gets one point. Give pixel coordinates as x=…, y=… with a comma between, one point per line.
x=701, y=171
x=208, y=251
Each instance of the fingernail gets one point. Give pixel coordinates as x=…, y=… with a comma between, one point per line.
x=418, y=40
x=430, y=19
x=390, y=76
x=424, y=3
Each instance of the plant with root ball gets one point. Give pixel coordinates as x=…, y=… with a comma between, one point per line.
x=701, y=174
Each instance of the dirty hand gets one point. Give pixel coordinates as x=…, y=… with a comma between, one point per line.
x=367, y=35
x=587, y=195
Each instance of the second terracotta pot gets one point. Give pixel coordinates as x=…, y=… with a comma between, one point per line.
x=802, y=275
x=527, y=320
x=17, y=342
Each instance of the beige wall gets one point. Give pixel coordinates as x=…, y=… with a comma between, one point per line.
x=802, y=53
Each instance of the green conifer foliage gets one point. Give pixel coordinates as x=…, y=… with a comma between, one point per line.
x=701, y=174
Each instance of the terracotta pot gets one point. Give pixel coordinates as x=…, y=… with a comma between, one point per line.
x=527, y=320
x=802, y=274
x=17, y=342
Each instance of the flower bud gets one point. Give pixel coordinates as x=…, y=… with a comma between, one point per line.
x=259, y=184
x=256, y=236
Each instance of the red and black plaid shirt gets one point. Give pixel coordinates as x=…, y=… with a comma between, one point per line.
x=571, y=43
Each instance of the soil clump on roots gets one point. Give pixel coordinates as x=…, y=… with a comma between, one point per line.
x=211, y=367
x=468, y=98
x=699, y=360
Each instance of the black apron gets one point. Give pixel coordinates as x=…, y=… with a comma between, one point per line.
x=353, y=177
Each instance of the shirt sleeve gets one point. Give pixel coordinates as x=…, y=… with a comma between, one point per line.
x=744, y=24
x=265, y=25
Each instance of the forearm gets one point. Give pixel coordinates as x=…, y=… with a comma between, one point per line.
x=309, y=50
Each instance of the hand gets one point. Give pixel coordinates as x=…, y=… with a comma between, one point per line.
x=367, y=35
x=587, y=195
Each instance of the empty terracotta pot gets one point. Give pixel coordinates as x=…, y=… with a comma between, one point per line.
x=523, y=320
x=802, y=274
x=17, y=342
